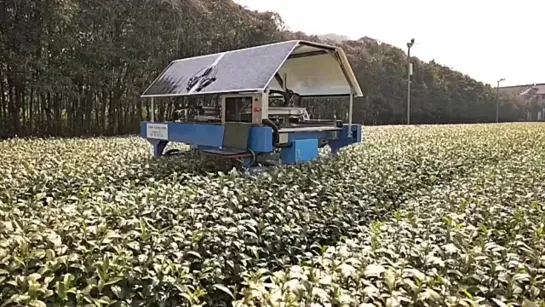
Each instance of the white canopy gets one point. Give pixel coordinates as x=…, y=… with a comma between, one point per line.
x=317, y=70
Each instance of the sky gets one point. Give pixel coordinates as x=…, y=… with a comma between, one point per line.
x=485, y=39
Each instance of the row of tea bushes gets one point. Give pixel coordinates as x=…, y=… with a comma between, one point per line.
x=96, y=221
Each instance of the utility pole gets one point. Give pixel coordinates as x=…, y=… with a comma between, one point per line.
x=409, y=73
x=498, y=100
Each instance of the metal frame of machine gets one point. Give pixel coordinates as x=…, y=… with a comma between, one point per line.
x=246, y=124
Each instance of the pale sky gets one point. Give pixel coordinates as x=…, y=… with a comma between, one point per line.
x=486, y=39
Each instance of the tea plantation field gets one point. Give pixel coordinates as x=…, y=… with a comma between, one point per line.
x=414, y=216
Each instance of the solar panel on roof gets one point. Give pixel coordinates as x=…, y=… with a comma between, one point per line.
x=240, y=70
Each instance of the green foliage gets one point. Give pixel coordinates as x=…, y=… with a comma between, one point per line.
x=78, y=67
x=450, y=215
x=475, y=240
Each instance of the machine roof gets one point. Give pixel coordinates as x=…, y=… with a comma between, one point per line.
x=307, y=68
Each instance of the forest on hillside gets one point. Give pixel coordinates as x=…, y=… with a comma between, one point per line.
x=78, y=67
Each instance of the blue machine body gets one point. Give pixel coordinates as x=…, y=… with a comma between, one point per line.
x=302, y=146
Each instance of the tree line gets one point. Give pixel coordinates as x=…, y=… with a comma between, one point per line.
x=78, y=67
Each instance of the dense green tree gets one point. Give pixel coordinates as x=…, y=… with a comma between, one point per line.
x=75, y=67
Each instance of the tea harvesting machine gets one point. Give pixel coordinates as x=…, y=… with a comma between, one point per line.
x=257, y=112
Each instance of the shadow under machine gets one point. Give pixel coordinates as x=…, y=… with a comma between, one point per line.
x=258, y=93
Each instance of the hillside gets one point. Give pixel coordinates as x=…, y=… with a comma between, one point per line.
x=78, y=67
x=334, y=37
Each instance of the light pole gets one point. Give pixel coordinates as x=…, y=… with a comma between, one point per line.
x=498, y=100
x=409, y=73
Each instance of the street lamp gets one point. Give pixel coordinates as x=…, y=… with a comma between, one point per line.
x=498, y=99
x=409, y=73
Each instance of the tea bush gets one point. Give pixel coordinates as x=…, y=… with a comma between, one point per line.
x=431, y=215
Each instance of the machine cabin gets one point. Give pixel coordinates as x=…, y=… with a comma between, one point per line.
x=258, y=110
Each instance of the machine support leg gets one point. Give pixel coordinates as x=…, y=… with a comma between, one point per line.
x=344, y=140
x=334, y=148
x=152, y=110
x=247, y=162
x=350, y=110
x=300, y=151
x=158, y=147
